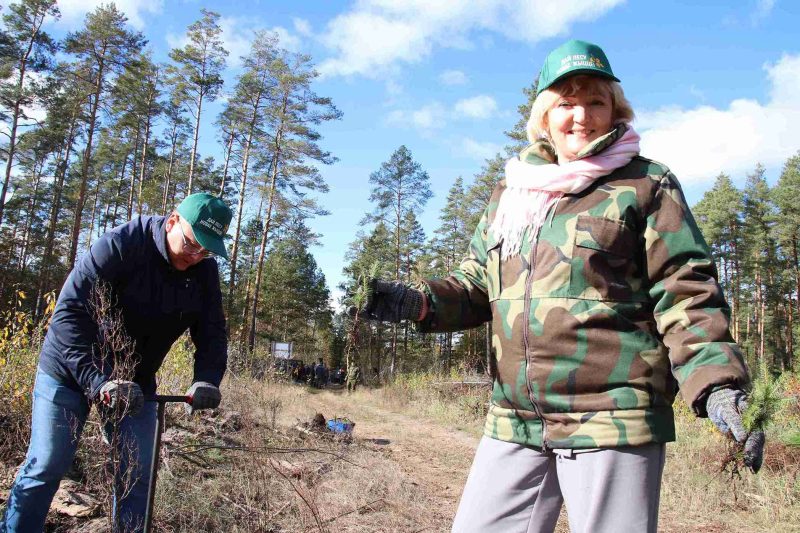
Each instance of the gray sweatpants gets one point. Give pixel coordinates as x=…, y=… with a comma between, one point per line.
x=518, y=489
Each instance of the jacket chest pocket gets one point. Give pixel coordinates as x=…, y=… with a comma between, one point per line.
x=604, y=260
x=504, y=279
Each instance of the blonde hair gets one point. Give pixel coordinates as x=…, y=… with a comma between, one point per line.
x=537, y=123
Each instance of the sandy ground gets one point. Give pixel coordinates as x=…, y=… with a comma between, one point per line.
x=433, y=458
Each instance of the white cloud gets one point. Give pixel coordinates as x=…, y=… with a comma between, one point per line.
x=453, y=77
x=175, y=40
x=699, y=143
x=427, y=118
x=74, y=11
x=479, y=151
x=237, y=36
x=393, y=88
x=302, y=27
x=435, y=115
x=481, y=106
x=377, y=35
x=286, y=39
x=763, y=10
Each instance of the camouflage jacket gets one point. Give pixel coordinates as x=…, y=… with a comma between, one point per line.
x=596, y=327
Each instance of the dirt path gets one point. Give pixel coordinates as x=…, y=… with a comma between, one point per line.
x=433, y=458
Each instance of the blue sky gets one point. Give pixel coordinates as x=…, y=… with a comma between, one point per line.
x=715, y=85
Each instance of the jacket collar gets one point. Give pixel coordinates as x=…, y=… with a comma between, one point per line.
x=160, y=237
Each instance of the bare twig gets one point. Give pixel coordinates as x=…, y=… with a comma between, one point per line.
x=274, y=515
x=310, y=506
x=357, y=509
x=241, y=506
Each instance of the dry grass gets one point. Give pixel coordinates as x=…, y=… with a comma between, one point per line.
x=284, y=480
x=255, y=472
x=697, y=496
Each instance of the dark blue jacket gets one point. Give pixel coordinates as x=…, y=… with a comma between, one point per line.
x=157, y=302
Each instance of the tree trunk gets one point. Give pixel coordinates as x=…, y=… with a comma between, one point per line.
x=107, y=218
x=246, y=307
x=119, y=190
x=228, y=150
x=168, y=177
x=143, y=164
x=94, y=215
x=58, y=187
x=87, y=157
x=26, y=236
x=134, y=168
x=194, y=144
x=239, y=213
x=251, y=337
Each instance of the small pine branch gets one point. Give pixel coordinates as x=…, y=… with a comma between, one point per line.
x=764, y=402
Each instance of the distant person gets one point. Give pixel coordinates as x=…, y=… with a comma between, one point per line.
x=353, y=375
x=297, y=371
x=320, y=374
x=163, y=276
x=604, y=301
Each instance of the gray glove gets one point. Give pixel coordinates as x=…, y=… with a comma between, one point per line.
x=203, y=395
x=725, y=408
x=126, y=394
x=391, y=301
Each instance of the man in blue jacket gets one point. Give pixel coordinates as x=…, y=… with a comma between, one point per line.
x=162, y=279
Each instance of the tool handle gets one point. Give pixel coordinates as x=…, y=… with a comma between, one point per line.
x=165, y=398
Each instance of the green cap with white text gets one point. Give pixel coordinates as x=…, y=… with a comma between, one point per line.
x=209, y=218
x=572, y=58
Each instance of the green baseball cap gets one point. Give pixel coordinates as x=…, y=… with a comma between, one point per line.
x=209, y=217
x=571, y=58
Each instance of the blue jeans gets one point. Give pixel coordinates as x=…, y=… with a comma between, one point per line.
x=59, y=414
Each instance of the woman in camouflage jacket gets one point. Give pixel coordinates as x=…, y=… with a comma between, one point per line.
x=604, y=302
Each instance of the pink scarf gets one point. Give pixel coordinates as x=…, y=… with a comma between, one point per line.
x=531, y=190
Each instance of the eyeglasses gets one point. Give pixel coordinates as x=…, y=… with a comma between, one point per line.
x=191, y=248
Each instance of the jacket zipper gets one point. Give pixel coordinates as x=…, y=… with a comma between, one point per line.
x=186, y=286
x=526, y=332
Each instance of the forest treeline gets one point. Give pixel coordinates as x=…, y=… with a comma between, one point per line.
x=96, y=132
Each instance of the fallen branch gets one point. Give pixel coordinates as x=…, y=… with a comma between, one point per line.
x=197, y=448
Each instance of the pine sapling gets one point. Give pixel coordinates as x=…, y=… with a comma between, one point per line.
x=763, y=402
x=357, y=301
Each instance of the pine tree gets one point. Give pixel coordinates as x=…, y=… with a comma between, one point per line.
x=247, y=115
x=759, y=256
x=292, y=145
x=519, y=134
x=399, y=187
x=102, y=47
x=197, y=73
x=787, y=229
x=27, y=50
x=719, y=216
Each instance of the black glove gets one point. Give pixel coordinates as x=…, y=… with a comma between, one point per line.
x=126, y=394
x=391, y=301
x=725, y=408
x=203, y=395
